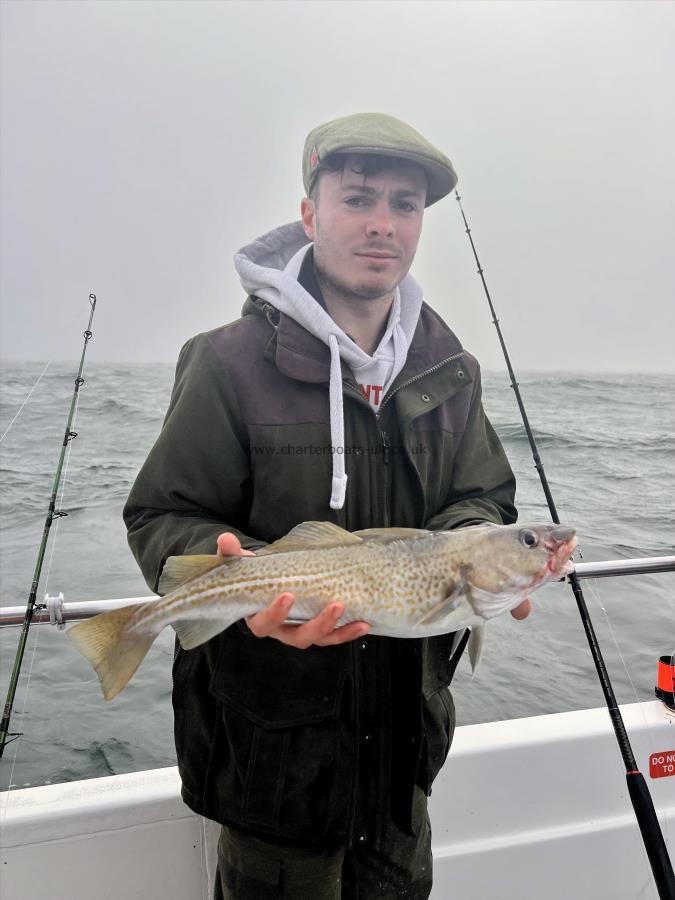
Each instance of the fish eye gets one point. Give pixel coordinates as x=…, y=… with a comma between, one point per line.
x=528, y=538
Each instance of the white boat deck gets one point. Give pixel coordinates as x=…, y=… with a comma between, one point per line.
x=528, y=808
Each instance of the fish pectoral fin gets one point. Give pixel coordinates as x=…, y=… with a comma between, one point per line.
x=193, y=632
x=453, y=602
x=180, y=569
x=310, y=535
x=390, y=534
x=476, y=646
x=455, y=612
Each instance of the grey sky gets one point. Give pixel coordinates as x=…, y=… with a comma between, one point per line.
x=144, y=142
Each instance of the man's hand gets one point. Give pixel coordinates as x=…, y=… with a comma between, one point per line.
x=523, y=609
x=269, y=622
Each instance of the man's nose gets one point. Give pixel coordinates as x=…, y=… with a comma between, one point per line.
x=381, y=222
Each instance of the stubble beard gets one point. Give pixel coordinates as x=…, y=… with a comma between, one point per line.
x=346, y=291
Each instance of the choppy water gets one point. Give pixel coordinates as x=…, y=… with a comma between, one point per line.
x=608, y=445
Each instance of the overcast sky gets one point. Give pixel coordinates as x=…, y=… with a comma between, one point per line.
x=144, y=142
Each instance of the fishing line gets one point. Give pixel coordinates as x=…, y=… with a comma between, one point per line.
x=21, y=715
x=2, y=437
x=650, y=737
x=649, y=886
x=641, y=800
x=596, y=597
x=52, y=513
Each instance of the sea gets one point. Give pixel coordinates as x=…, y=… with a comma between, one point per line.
x=607, y=442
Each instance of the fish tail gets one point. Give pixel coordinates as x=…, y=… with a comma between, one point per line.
x=114, y=650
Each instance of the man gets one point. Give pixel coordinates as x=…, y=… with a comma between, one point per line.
x=339, y=395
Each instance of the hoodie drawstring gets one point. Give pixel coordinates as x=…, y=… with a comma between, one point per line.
x=337, y=426
x=269, y=269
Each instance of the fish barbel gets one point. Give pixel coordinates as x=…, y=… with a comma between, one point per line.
x=405, y=582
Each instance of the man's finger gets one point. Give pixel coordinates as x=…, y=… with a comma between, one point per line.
x=523, y=609
x=262, y=624
x=229, y=545
x=345, y=633
x=318, y=628
x=320, y=631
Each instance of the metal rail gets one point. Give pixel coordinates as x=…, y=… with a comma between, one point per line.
x=61, y=612
x=646, y=565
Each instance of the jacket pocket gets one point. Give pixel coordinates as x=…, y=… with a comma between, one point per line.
x=279, y=765
x=439, y=728
x=438, y=708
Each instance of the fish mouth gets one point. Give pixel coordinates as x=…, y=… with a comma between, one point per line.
x=560, y=543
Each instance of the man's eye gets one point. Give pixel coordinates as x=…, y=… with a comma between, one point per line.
x=355, y=201
x=407, y=206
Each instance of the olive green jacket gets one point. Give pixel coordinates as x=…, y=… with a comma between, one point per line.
x=310, y=746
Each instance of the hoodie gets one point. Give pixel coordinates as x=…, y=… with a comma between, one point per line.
x=269, y=268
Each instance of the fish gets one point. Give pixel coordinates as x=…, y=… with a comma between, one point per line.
x=404, y=582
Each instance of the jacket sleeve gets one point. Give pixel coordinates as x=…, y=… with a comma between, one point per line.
x=483, y=485
x=195, y=481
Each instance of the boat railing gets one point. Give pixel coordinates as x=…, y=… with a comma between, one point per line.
x=56, y=611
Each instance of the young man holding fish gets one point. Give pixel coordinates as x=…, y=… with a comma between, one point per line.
x=339, y=396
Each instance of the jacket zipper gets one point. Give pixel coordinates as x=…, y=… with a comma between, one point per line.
x=384, y=437
x=385, y=462
x=385, y=447
x=417, y=377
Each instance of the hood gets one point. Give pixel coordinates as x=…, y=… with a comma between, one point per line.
x=268, y=268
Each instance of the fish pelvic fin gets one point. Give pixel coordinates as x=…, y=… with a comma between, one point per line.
x=114, y=650
x=180, y=569
x=476, y=640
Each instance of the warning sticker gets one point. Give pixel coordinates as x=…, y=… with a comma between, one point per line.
x=662, y=764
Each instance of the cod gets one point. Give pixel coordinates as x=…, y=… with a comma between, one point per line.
x=404, y=582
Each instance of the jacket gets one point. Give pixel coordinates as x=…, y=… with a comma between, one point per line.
x=318, y=745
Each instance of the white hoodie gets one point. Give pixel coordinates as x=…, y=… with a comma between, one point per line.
x=269, y=267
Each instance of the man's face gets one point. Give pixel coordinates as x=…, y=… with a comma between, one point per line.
x=366, y=228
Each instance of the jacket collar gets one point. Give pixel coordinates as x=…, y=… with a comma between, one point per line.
x=304, y=357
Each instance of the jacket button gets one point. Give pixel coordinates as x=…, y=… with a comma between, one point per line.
x=460, y=374
x=362, y=839
x=367, y=737
x=426, y=398
x=364, y=645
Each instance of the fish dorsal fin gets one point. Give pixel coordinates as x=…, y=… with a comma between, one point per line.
x=180, y=569
x=309, y=536
x=390, y=534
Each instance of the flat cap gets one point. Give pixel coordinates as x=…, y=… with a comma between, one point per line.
x=377, y=133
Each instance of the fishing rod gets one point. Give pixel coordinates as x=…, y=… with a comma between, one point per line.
x=52, y=513
x=638, y=791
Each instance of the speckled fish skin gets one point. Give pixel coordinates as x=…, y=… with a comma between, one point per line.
x=404, y=582
x=391, y=585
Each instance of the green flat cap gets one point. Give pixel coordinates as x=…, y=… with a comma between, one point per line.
x=381, y=134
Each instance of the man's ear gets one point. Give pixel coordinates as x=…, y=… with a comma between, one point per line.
x=308, y=216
